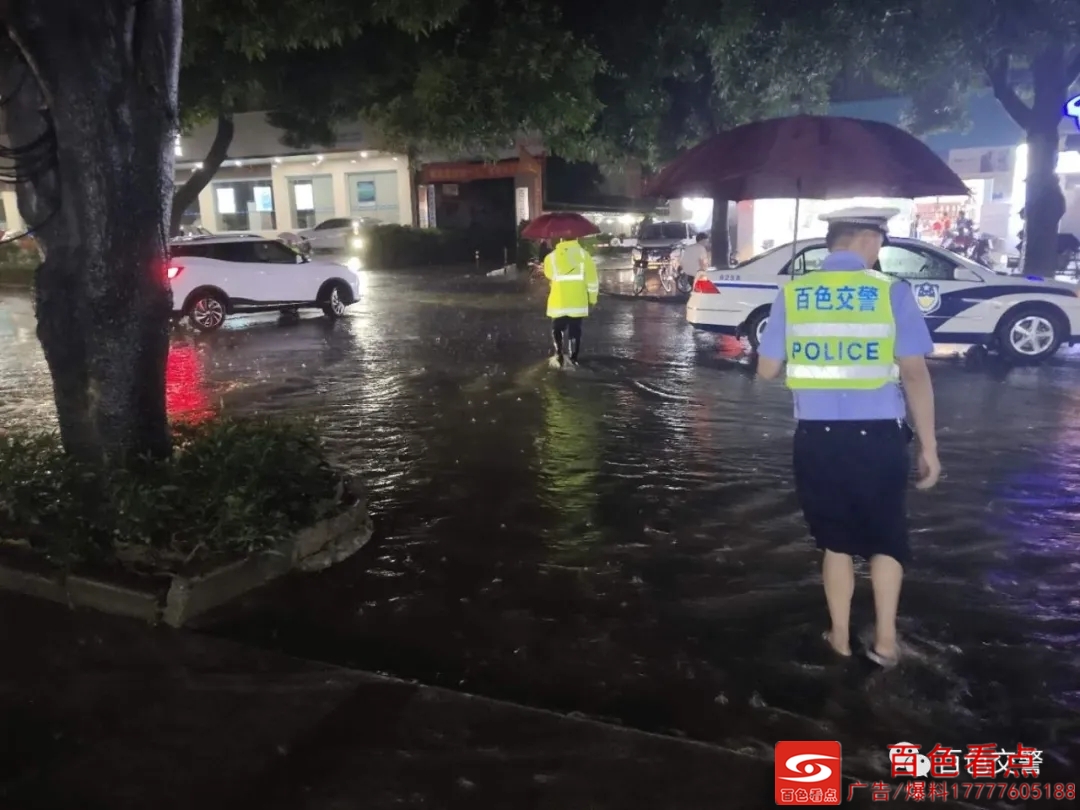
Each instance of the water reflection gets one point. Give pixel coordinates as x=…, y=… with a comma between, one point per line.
x=569, y=455
x=187, y=397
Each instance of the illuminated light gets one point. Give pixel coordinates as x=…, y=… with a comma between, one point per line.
x=178, y=150
x=1035, y=278
x=173, y=272
x=357, y=244
x=354, y=264
x=703, y=285
x=277, y=161
x=238, y=163
x=198, y=165
x=363, y=154
x=627, y=219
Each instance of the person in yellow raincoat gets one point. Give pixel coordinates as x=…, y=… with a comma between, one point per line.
x=574, y=289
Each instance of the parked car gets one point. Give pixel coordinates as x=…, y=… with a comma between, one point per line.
x=1025, y=318
x=657, y=242
x=339, y=235
x=214, y=277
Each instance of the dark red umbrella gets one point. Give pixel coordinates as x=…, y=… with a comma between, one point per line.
x=559, y=226
x=809, y=156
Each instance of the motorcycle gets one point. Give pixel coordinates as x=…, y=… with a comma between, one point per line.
x=982, y=252
x=965, y=241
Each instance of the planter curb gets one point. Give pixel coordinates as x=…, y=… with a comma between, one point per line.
x=313, y=549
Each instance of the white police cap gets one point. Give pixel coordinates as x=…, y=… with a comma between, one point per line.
x=865, y=217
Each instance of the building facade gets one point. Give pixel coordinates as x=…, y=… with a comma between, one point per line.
x=267, y=188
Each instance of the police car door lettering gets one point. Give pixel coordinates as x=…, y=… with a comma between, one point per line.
x=728, y=277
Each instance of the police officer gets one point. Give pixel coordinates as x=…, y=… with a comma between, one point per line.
x=849, y=335
x=575, y=287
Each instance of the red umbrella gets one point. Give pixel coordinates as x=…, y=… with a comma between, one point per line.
x=811, y=156
x=559, y=226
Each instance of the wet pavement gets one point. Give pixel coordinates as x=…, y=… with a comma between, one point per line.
x=622, y=540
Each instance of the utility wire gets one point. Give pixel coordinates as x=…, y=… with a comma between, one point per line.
x=30, y=162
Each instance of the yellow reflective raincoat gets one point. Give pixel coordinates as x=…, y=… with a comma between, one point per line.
x=574, y=283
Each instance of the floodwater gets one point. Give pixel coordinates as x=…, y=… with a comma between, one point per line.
x=622, y=540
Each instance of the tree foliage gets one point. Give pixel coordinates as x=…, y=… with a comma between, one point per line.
x=1027, y=52
x=235, y=50
x=501, y=70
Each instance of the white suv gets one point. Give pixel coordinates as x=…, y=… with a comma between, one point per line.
x=213, y=277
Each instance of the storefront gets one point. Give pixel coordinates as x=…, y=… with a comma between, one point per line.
x=764, y=224
x=1068, y=171
x=479, y=194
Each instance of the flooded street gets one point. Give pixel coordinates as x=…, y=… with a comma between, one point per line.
x=623, y=540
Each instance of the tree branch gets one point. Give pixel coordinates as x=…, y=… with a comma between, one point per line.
x=998, y=72
x=184, y=196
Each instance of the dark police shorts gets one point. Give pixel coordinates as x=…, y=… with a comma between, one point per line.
x=852, y=479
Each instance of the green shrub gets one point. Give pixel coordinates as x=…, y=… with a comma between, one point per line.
x=399, y=246
x=232, y=487
x=18, y=261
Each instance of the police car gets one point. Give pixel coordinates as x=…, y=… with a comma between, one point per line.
x=1024, y=317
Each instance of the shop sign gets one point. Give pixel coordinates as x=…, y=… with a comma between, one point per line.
x=1072, y=110
x=467, y=172
x=522, y=199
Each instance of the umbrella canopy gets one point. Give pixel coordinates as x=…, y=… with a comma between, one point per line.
x=816, y=157
x=559, y=226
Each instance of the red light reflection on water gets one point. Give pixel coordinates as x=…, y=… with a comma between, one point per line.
x=186, y=396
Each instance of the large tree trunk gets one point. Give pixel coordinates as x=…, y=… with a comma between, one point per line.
x=201, y=177
x=107, y=74
x=1044, y=203
x=721, y=243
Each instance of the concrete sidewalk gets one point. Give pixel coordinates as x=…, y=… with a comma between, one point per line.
x=108, y=713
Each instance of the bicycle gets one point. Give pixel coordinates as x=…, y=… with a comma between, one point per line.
x=671, y=276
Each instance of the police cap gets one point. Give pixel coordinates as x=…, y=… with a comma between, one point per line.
x=875, y=219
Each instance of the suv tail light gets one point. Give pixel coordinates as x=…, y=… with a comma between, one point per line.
x=703, y=285
x=173, y=271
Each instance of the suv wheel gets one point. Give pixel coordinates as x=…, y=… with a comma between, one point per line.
x=207, y=311
x=335, y=301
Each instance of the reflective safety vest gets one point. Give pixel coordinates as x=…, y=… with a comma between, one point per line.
x=574, y=283
x=841, y=333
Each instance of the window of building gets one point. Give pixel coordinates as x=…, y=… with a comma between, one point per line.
x=191, y=217
x=244, y=205
x=374, y=195
x=312, y=200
